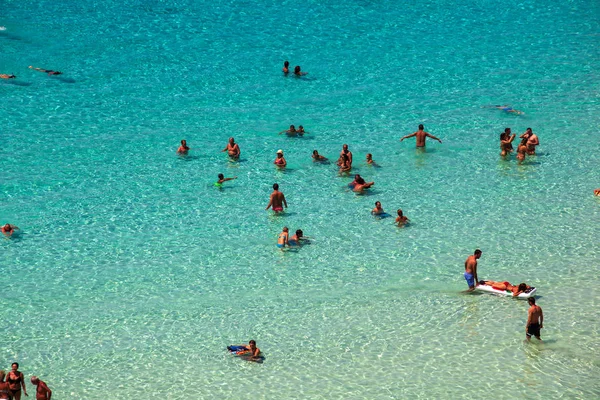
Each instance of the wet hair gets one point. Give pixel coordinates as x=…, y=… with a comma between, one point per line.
x=477, y=252
x=221, y=176
x=421, y=127
x=2, y=375
x=296, y=69
x=286, y=63
x=506, y=130
x=15, y=363
x=183, y=141
x=360, y=180
x=345, y=157
x=276, y=186
x=315, y=152
x=299, y=232
x=400, y=213
x=504, y=135
x=252, y=341
x=528, y=129
x=531, y=300
x=369, y=155
x=292, y=127
x=522, y=287
x=377, y=202
x=285, y=229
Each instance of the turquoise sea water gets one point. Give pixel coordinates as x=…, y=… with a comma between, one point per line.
x=133, y=272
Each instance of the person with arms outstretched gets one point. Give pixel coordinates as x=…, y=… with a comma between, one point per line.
x=421, y=136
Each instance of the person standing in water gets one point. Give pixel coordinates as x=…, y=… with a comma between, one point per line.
x=280, y=161
x=277, y=200
x=378, y=210
x=16, y=381
x=286, y=68
x=471, y=270
x=283, y=238
x=421, y=136
x=401, y=219
x=42, y=391
x=232, y=149
x=535, y=320
x=183, y=149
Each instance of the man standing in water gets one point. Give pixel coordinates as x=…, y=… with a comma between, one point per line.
x=42, y=392
x=232, y=148
x=471, y=270
x=535, y=320
x=421, y=136
x=277, y=200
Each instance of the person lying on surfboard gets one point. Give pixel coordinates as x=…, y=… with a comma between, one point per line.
x=516, y=290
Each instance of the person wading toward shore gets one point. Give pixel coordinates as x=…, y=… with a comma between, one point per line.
x=42, y=391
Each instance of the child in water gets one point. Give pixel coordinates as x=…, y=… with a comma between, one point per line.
x=222, y=179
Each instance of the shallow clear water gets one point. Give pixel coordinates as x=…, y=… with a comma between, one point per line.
x=133, y=272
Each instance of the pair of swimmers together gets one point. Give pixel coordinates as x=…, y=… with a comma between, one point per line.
x=283, y=239
x=297, y=69
x=401, y=219
x=293, y=131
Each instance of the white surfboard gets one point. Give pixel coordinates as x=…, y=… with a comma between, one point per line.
x=486, y=288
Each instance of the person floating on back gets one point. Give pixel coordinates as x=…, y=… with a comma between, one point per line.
x=421, y=136
x=47, y=71
x=535, y=320
x=7, y=76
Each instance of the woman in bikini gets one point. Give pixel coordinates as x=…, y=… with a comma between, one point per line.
x=280, y=161
x=15, y=381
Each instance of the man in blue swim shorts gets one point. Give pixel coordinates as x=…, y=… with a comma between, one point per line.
x=471, y=270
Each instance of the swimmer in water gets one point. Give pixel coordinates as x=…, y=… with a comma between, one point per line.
x=359, y=184
x=223, y=179
x=8, y=229
x=283, y=238
x=597, y=192
x=298, y=72
x=370, y=160
x=317, y=157
x=532, y=141
x=347, y=153
x=292, y=131
x=296, y=239
x=286, y=68
x=378, y=210
x=509, y=109
x=47, y=71
x=300, y=131
x=280, y=160
x=506, y=140
x=401, y=219
x=7, y=76
x=183, y=149
x=232, y=149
